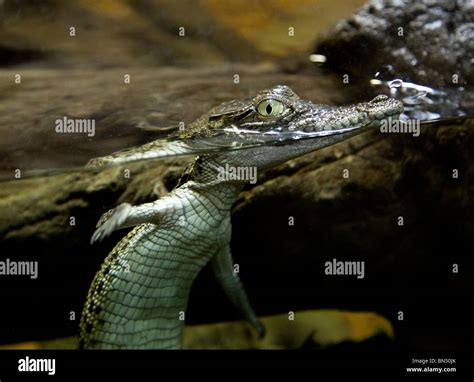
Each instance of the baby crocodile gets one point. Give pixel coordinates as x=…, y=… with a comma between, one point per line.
x=139, y=296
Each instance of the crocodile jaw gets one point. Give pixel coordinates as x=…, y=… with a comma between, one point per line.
x=313, y=128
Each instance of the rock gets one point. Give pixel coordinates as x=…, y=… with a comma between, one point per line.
x=426, y=42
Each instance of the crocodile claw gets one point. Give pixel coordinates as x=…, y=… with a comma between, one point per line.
x=110, y=221
x=260, y=328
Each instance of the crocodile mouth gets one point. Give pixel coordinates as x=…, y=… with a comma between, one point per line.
x=359, y=118
x=318, y=121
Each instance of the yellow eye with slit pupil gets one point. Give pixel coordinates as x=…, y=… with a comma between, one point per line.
x=270, y=108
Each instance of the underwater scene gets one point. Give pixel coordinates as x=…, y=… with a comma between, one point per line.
x=237, y=175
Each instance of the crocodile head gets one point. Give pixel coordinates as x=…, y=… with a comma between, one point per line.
x=279, y=111
x=282, y=126
x=262, y=131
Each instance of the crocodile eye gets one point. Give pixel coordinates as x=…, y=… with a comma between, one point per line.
x=270, y=108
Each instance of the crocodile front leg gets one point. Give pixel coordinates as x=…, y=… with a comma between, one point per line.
x=139, y=297
x=125, y=215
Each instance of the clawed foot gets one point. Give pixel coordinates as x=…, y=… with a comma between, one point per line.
x=110, y=221
x=260, y=328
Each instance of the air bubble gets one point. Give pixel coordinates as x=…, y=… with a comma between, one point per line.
x=397, y=83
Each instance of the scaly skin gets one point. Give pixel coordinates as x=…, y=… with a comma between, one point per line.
x=139, y=296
